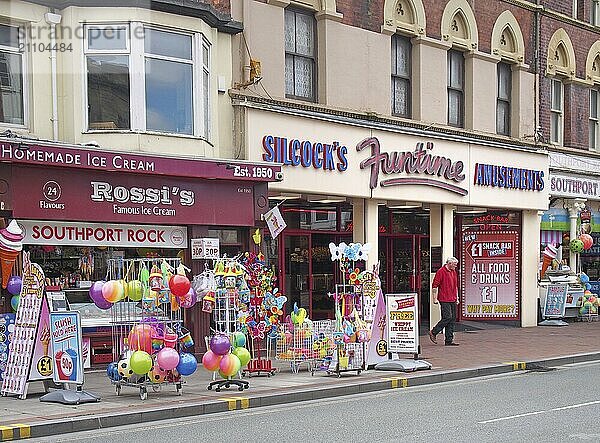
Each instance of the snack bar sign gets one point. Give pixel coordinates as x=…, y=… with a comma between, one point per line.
x=96, y=234
x=490, y=275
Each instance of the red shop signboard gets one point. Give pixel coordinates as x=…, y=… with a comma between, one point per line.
x=71, y=194
x=490, y=275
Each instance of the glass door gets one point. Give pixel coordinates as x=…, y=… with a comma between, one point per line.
x=423, y=278
x=297, y=271
x=403, y=266
x=322, y=277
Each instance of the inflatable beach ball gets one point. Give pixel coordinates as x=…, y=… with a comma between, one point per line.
x=576, y=245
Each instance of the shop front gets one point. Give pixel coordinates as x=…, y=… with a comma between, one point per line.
x=81, y=208
x=415, y=197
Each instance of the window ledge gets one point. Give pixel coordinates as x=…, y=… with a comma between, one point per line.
x=130, y=132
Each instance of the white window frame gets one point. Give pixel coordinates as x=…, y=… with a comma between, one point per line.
x=405, y=78
x=594, y=121
x=137, y=92
x=507, y=100
x=462, y=90
x=24, y=71
x=595, y=12
x=557, y=112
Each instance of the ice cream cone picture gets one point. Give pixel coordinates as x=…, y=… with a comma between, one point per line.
x=549, y=255
x=45, y=339
x=11, y=244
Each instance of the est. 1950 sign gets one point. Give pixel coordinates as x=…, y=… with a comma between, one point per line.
x=205, y=248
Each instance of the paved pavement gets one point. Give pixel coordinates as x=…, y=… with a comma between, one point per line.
x=484, y=352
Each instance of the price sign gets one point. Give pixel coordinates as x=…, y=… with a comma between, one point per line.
x=205, y=248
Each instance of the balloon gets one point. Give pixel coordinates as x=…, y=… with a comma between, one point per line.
x=229, y=366
x=157, y=374
x=220, y=344
x=135, y=290
x=587, y=240
x=167, y=358
x=576, y=245
x=243, y=354
x=188, y=300
x=179, y=285
x=588, y=286
x=140, y=362
x=187, y=364
x=103, y=304
x=14, y=302
x=211, y=361
x=110, y=368
x=113, y=291
x=239, y=340
x=14, y=285
x=583, y=277
x=96, y=290
x=140, y=338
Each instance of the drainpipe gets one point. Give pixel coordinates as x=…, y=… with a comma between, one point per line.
x=536, y=69
x=53, y=19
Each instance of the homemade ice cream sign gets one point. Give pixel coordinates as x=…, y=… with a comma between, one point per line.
x=490, y=275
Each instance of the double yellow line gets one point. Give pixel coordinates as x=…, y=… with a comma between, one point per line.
x=518, y=365
x=8, y=432
x=234, y=402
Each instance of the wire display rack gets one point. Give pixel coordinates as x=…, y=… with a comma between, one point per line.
x=296, y=345
x=155, y=311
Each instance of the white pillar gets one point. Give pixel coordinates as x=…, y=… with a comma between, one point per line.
x=371, y=229
x=435, y=241
x=530, y=257
x=574, y=206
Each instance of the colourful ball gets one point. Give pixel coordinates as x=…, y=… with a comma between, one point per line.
x=220, y=344
x=243, y=354
x=587, y=239
x=167, y=358
x=211, y=361
x=124, y=369
x=140, y=338
x=239, y=339
x=110, y=369
x=229, y=366
x=140, y=362
x=179, y=285
x=14, y=302
x=15, y=283
x=188, y=300
x=113, y=291
x=187, y=364
x=135, y=290
x=576, y=245
x=157, y=374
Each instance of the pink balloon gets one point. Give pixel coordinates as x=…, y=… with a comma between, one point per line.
x=211, y=361
x=167, y=358
x=140, y=338
x=188, y=300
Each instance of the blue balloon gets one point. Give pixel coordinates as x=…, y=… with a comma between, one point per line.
x=14, y=302
x=110, y=368
x=583, y=278
x=187, y=364
x=588, y=286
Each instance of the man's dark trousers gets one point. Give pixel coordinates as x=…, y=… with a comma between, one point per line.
x=447, y=321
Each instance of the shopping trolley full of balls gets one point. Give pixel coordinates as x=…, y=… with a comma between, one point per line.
x=150, y=344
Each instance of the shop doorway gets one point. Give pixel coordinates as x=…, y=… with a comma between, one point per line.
x=309, y=274
x=404, y=267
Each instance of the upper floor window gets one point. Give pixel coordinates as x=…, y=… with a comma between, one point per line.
x=595, y=12
x=556, y=111
x=575, y=8
x=11, y=77
x=401, y=74
x=503, y=99
x=594, y=113
x=456, y=89
x=147, y=79
x=300, y=55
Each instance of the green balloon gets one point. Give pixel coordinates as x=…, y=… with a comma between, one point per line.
x=135, y=290
x=243, y=354
x=140, y=362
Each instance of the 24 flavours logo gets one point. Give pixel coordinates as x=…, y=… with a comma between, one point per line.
x=52, y=193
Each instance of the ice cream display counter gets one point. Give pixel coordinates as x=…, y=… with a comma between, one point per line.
x=575, y=291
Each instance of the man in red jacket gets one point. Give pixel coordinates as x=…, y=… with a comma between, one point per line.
x=445, y=290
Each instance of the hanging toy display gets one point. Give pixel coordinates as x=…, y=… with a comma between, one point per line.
x=147, y=322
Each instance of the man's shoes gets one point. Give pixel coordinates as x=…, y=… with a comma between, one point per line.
x=452, y=344
x=432, y=337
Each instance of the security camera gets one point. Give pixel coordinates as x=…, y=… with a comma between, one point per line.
x=279, y=176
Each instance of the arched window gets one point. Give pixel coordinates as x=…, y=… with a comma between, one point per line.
x=459, y=26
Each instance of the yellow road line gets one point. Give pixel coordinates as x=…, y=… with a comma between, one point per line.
x=7, y=432
x=232, y=402
x=398, y=382
x=24, y=430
